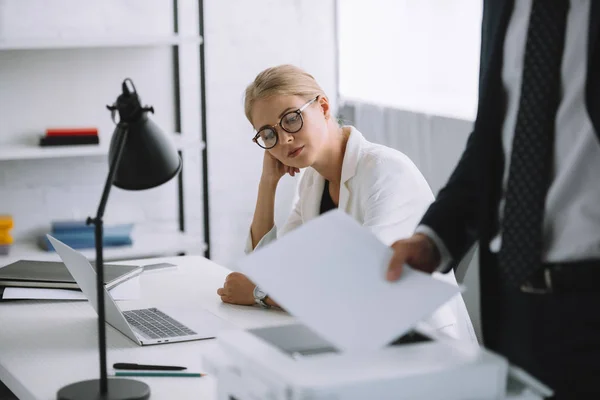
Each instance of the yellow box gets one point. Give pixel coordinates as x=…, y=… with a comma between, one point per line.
x=5, y=238
x=6, y=222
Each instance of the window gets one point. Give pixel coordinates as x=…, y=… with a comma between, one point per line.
x=419, y=55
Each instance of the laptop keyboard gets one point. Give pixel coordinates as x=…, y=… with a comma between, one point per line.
x=155, y=324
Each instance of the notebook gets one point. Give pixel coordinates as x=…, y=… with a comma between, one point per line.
x=51, y=274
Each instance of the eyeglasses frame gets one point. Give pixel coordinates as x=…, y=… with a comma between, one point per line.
x=279, y=124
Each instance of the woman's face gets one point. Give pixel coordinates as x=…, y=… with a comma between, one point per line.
x=298, y=149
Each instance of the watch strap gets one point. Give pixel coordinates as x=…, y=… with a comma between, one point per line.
x=260, y=300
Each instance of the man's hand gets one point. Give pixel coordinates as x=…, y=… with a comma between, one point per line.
x=418, y=251
x=237, y=289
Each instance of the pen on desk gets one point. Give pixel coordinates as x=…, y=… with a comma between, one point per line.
x=164, y=374
x=146, y=367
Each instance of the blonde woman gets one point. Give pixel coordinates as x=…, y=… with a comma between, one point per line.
x=378, y=186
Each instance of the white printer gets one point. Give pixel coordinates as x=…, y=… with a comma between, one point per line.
x=388, y=354
x=290, y=362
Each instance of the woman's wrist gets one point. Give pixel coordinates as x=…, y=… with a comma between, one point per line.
x=268, y=183
x=270, y=302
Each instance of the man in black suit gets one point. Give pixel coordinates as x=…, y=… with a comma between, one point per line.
x=527, y=189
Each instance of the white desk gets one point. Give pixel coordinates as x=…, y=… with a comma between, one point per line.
x=46, y=345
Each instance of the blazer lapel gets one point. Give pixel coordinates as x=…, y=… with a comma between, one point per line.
x=351, y=157
x=593, y=30
x=592, y=94
x=496, y=15
x=311, y=204
x=344, y=196
x=491, y=110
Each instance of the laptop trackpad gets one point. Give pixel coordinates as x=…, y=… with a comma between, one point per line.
x=204, y=323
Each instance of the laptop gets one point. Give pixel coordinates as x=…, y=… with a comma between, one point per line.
x=146, y=326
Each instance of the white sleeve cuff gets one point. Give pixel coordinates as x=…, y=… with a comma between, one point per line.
x=268, y=238
x=445, y=257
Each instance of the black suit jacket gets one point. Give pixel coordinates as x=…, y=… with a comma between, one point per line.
x=466, y=209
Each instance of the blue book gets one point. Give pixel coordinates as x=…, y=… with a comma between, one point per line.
x=87, y=240
x=59, y=227
x=71, y=226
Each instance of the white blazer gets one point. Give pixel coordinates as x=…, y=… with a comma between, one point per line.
x=385, y=192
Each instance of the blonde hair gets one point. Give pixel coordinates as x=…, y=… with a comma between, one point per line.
x=287, y=80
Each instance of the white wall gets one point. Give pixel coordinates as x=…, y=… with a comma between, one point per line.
x=421, y=56
x=242, y=39
x=40, y=89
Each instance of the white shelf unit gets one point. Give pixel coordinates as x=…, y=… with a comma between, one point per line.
x=32, y=152
x=147, y=242
x=96, y=42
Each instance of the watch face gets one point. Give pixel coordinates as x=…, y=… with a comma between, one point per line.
x=259, y=294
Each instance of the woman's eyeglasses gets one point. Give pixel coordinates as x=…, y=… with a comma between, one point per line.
x=291, y=122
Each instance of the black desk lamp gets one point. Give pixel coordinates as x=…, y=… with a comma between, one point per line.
x=140, y=157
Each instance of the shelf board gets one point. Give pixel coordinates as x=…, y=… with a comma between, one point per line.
x=100, y=41
x=146, y=244
x=31, y=152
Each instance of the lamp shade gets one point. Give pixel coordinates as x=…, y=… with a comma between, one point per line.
x=149, y=157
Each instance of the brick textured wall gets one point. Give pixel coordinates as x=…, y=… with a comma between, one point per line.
x=42, y=88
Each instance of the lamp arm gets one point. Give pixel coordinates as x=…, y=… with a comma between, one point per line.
x=121, y=132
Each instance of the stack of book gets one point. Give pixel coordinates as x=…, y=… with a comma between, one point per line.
x=6, y=240
x=33, y=279
x=69, y=137
x=79, y=235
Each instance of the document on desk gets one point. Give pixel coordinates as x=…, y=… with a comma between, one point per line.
x=330, y=274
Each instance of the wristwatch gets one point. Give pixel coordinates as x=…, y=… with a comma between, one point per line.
x=260, y=297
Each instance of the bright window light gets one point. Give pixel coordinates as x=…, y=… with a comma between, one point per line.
x=418, y=55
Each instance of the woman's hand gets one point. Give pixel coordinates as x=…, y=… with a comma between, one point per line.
x=237, y=289
x=273, y=169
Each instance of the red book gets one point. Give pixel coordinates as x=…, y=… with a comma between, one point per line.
x=72, y=132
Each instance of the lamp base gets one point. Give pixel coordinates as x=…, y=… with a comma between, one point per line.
x=118, y=389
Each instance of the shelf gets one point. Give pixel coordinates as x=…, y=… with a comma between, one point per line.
x=31, y=152
x=91, y=42
x=146, y=244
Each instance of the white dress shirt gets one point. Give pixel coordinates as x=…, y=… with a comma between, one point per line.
x=571, y=229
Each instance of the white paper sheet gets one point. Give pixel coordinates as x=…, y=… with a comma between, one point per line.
x=330, y=274
x=128, y=290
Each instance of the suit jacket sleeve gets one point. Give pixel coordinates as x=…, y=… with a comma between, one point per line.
x=453, y=215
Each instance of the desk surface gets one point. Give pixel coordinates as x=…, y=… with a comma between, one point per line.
x=45, y=345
